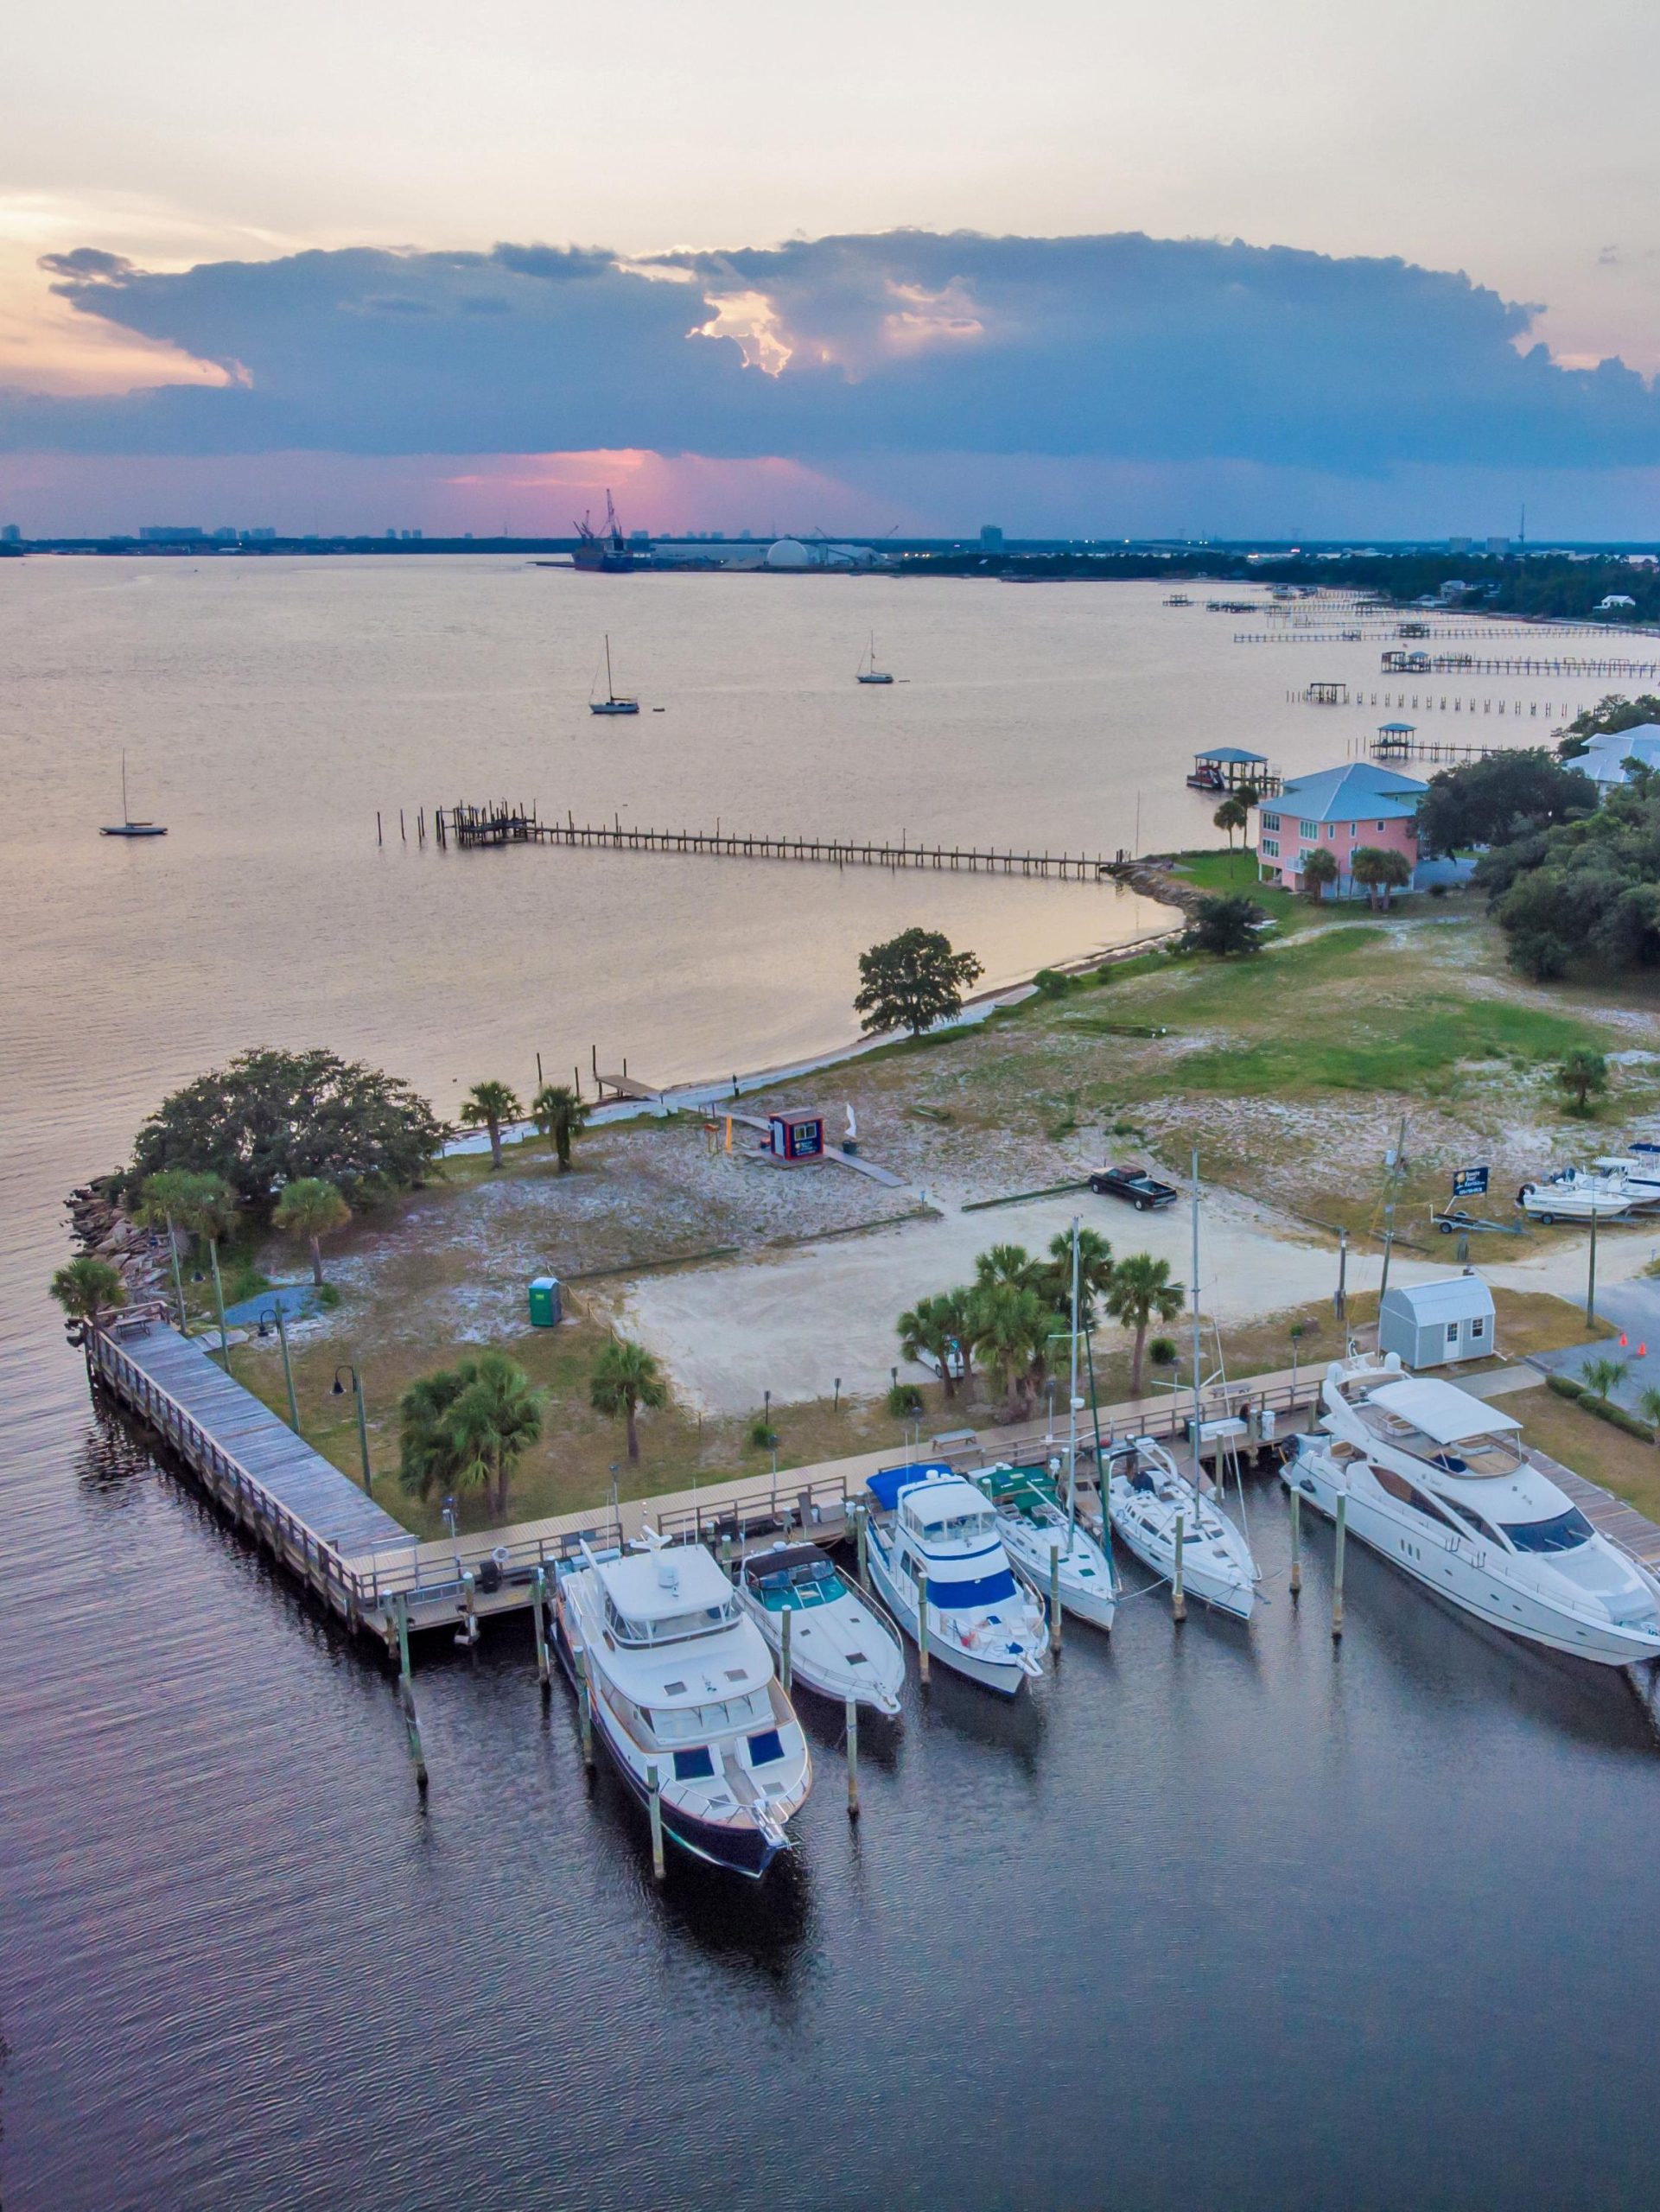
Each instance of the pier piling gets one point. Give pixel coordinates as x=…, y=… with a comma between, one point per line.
x=922, y=1625
x=412, y=1731
x=1178, y=1596
x=1054, y=1596
x=654, y=1796
x=1296, y=1540
x=1337, y=1566
x=585, y=1709
x=853, y=1759
x=784, y=1651
x=539, y=1599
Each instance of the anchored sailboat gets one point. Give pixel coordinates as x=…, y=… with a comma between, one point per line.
x=612, y=702
x=868, y=672
x=127, y=827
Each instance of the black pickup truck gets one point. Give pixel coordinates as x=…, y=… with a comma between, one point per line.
x=1144, y=1191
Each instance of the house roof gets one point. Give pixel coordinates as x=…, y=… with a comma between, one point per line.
x=1606, y=753
x=1352, y=792
x=1450, y=1299
x=1233, y=752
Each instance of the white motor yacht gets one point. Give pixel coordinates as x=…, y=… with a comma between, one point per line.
x=681, y=1680
x=982, y=1620
x=1037, y=1530
x=840, y=1644
x=1442, y=1483
x=1147, y=1492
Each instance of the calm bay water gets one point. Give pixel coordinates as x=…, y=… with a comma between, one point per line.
x=1217, y=1917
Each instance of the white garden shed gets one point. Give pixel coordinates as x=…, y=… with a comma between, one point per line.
x=1435, y=1324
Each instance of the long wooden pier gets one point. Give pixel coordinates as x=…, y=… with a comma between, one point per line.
x=502, y=824
x=1400, y=663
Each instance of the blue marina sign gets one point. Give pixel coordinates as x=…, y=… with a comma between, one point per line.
x=1469, y=1182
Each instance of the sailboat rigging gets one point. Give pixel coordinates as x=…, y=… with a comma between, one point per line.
x=614, y=702
x=868, y=672
x=127, y=827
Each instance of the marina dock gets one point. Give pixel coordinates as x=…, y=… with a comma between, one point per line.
x=501, y=823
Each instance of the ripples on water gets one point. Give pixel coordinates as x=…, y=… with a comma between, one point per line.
x=1213, y=1917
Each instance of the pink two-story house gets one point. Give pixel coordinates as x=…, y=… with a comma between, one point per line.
x=1341, y=809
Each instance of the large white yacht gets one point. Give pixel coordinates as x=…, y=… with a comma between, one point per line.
x=680, y=1679
x=841, y=1644
x=1440, y=1482
x=1147, y=1493
x=982, y=1620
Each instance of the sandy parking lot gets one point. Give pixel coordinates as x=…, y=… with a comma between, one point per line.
x=792, y=1324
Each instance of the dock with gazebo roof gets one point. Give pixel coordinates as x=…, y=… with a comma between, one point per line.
x=1226, y=768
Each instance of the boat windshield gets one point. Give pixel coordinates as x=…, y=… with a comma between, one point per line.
x=1566, y=1533
x=669, y=1627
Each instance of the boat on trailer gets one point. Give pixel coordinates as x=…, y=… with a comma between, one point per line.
x=982, y=1620
x=1577, y=1194
x=840, y=1644
x=1443, y=1486
x=680, y=1681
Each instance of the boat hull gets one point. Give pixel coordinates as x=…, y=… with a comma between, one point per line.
x=1197, y=1580
x=838, y=1683
x=1470, y=1588
x=1005, y=1676
x=740, y=1851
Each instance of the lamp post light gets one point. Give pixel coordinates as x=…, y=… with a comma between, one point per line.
x=339, y=1391
x=275, y=1312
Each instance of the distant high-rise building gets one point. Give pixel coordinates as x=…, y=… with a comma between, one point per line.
x=1498, y=545
x=264, y=535
x=170, y=533
x=991, y=538
x=1458, y=544
x=10, y=535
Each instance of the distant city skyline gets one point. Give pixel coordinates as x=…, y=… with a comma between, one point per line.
x=1266, y=272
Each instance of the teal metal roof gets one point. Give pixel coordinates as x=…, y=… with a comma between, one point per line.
x=1353, y=794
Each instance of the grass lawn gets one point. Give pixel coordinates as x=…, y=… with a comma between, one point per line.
x=1593, y=1448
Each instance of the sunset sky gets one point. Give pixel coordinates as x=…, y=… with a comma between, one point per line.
x=1095, y=267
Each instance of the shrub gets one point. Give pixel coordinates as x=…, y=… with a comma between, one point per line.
x=763, y=1436
x=904, y=1401
x=1050, y=983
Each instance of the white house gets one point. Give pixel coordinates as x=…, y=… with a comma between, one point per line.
x=1616, y=603
x=1605, y=755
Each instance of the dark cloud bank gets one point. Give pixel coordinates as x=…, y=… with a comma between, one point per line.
x=1120, y=348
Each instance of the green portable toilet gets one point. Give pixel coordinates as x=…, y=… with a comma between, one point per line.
x=544, y=1302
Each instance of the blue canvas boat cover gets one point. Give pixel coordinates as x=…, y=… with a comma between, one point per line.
x=887, y=1482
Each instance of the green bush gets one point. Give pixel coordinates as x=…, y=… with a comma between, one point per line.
x=763, y=1436
x=904, y=1401
x=1050, y=983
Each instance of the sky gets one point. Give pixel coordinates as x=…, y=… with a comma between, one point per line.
x=1298, y=269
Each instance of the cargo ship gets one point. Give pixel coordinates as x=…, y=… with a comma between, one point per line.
x=602, y=552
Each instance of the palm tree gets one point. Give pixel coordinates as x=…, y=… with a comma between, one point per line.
x=466, y=1427
x=1141, y=1293
x=1010, y=1330
x=161, y=1205
x=1319, y=869
x=88, y=1288
x=205, y=1205
x=1053, y=1277
x=957, y=1309
x=928, y=1326
x=1380, y=869
x=493, y=1420
x=559, y=1113
x=1602, y=1377
x=1647, y=1404
x=309, y=1210
x=627, y=1377
x=1003, y=1263
x=1232, y=814
x=487, y=1106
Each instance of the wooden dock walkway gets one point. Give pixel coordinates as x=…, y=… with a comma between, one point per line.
x=1411, y=663
x=502, y=824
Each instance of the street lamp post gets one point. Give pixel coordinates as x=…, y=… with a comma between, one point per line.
x=339, y=1391
x=276, y=1310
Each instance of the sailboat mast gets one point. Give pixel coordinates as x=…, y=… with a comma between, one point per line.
x=1197, y=1470
x=610, y=688
x=1071, y=1401
x=126, y=812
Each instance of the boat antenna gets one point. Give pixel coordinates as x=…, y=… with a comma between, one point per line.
x=1071, y=1401
x=1197, y=1397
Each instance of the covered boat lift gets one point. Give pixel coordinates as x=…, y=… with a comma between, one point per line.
x=1223, y=768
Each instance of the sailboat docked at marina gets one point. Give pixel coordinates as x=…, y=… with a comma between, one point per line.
x=982, y=1621
x=127, y=827
x=681, y=1687
x=1041, y=1535
x=1442, y=1483
x=1154, y=1505
x=614, y=703
x=868, y=672
x=840, y=1644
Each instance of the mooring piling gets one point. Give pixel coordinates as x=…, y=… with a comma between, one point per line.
x=1054, y=1596
x=1337, y=1566
x=922, y=1625
x=412, y=1732
x=1178, y=1597
x=1296, y=1540
x=585, y=1707
x=853, y=1759
x=538, y=1597
x=784, y=1651
x=654, y=1796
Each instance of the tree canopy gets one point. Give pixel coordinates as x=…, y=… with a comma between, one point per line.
x=272, y=1118
x=913, y=982
x=466, y=1427
x=1223, y=926
x=1587, y=891
x=1507, y=795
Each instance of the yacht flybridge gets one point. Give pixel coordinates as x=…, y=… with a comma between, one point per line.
x=841, y=1644
x=681, y=1681
x=982, y=1620
x=1440, y=1482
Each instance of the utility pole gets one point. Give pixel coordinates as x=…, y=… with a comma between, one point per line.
x=1395, y=1163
